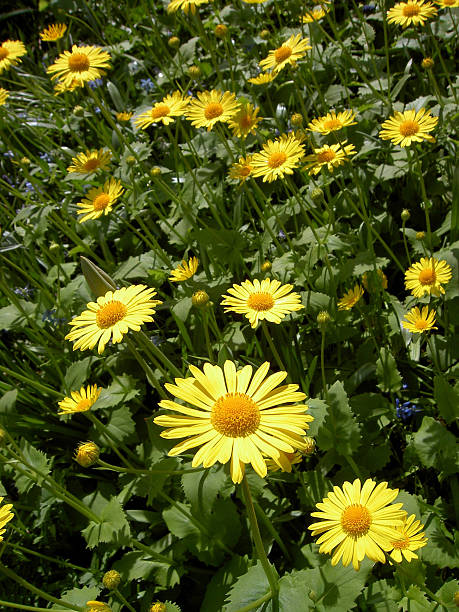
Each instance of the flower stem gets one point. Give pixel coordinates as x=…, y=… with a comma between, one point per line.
x=322, y=363
x=124, y=600
x=16, y=606
x=272, y=347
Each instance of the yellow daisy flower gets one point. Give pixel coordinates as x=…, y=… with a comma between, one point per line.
x=112, y=316
x=314, y=14
x=409, y=126
x=4, y=93
x=447, y=3
x=97, y=606
x=414, y=12
x=90, y=161
x=284, y=462
x=185, y=270
x=245, y=121
x=350, y=298
x=242, y=169
x=278, y=158
x=290, y=51
x=5, y=516
x=409, y=539
x=374, y=282
x=81, y=64
x=80, y=401
x=212, y=106
x=330, y=156
x=418, y=322
x=257, y=300
x=358, y=521
x=235, y=416
x=427, y=276
x=185, y=5
x=10, y=52
x=61, y=87
x=124, y=116
x=332, y=122
x=99, y=200
x=172, y=105
x=263, y=78
x=53, y=32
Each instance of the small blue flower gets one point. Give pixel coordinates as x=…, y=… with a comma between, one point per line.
x=147, y=84
x=406, y=410
x=24, y=292
x=281, y=235
x=29, y=187
x=96, y=83
x=46, y=157
x=369, y=8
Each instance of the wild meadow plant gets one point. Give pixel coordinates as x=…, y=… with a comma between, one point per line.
x=228, y=322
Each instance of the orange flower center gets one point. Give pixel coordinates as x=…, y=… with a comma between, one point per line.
x=420, y=324
x=411, y=10
x=333, y=124
x=402, y=543
x=326, y=156
x=213, y=110
x=79, y=62
x=245, y=170
x=260, y=301
x=449, y=2
x=276, y=159
x=91, y=164
x=110, y=314
x=101, y=201
x=3, y=53
x=161, y=110
x=283, y=53
x=409, y=128
x=246, y=122
x=83, y=405
x=427, y=276
x=356, y=520
x=235, y=415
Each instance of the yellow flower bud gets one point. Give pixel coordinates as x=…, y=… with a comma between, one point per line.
x=78, y=111
x=405, y=214
x=155, y=171
x=264, y=34
x=111, y=580
x=200, y=299
x=221, y=30
x=323, y=318
x=427, y=63
x=194, y=72
x=420, y=235
x=310, y=445
x=266, y=266
x=87, y=453
x=297, y=119
x=174, y=42
x=158, y=607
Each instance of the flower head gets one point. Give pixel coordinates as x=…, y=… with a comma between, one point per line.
x=409, y=539
x=418, y=321
x=257, y=300
x=172, y=105
x=99, y=200
x=10, y=52
x=289, y=52
x=112, y=316
x=245, y=121
x=412, y=12
x=111, y=580
x=350, y=298
x=185, y=5
x=80, y=65
x=80, y=401
x=235, y=416
x=124, y=115
x=5, y=516
x=90, y=161
x=284, y=462
x=242, y=169
x=330, y=156
x=358, y=520
x=87, y=454
x=185, y=270
x=4, y=93
x=97, y=606
x=314, y=14
x=332, y=122
x=278, y=158
x=406, y=410
x=409, y=126
x=53, y=32
x=211, y=107
x=263, y=78
x=427, y=276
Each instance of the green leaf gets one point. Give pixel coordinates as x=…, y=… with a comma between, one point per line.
x=416, y=601
x=319, y=410
x=220, y=584
x=39, y=466
x=387, y=373
x=136, y=267
x=293, y=593
x=439, y=551
x=413, y=573
x=114, y=527
x=247, y=589
x=12, y=317
x=8, y=401
x=447, y=399
x=446, y=594
x=134, y=566
x=78, y=597
x=78, y=373
x=178, y=522
x=120, y=424
x=340, y=430
x=201, y=488
x=120, y=391
x=436, y=446
x=382, y=597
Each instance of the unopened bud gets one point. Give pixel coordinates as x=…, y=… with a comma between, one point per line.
x=25, y=161
x=297, y=119
x=420, y=235
x=221, y=30
x=310, y=445
x=323, y=318
x=155, y=171
x=200, y=299
x=78, y=111
x=130, y=160
x=54, y=247
x=317, y=194
x=427, y=63
x=456, y=598
x=265, y=34
x=3, y=436
x=194, y=72
x=174, y=42
x=158, y=607
x=87, y=453
x=111, y=580
x=405, y=214
x=266, y=266
x=97, y=606
x=98, y=280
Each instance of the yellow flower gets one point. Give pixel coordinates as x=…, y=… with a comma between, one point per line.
x=4, y=93
x=358, y=521
x=158, y=606
x=418, y=322
x=329, y=155
x=80, y=401
x=284, y=462
x=263, y=78
x=409, y=126
x=245, y=121
x=172, y=105
x=235, y=416
x=314, y=14
x=257, y=300
x=414, y=12
x=447, y=3
x=278, y=158
x=350, y=298
x=90, y=161
x=61, y=87
x=112, y=316
x=5, y=516
x=124, y=116
x=53, y=32
x=427, y=276
x=374, y=282
x=332, y=122
x=211, y=107
x=185, y=270
x=242, y=169
x=97, y=606
x=409, y=539
x=185, y=5
x=290, y=51
x=86, y=454
x=81, y=64
x=10, y=52
x=99, y=200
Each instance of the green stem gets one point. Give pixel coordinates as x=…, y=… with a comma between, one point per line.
x=353, y=465
x=124, y=600
x=272, y=346
x=116, y=468
x=16, y=606
x=46, y=557
x=205, y=325
x=112, y=442
x=146, y=368
x=160, y=356
x=322, y=363
x=256, y=604
x=405, y=242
